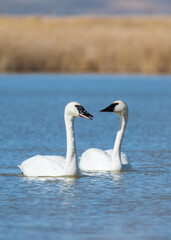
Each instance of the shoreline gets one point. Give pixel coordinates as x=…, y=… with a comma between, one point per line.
x=81, y=45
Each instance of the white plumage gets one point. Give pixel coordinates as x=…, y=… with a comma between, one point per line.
x=43, y=166
x=57, y=165
x=113, y=159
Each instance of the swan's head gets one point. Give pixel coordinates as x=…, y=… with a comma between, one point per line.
x=119, y=107
x=75, y=109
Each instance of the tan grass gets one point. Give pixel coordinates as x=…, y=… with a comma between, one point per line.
x=121, y=45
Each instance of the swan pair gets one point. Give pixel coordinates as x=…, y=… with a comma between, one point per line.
x=91, y=160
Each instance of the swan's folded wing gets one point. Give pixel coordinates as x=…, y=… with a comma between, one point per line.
x=109, y=152
x=125, y=162
x=94, y=159
x=43, y=166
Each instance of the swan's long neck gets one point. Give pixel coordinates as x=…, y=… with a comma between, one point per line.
x=71, y=166
x=116, y=157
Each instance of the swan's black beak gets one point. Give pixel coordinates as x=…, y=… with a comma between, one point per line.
x=83, y=113
x=110, y=108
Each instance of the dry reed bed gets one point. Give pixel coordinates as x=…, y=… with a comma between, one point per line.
x=122, y=45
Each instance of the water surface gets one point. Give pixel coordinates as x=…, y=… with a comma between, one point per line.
x=128, y=205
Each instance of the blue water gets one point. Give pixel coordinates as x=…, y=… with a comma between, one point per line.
x=128, y=205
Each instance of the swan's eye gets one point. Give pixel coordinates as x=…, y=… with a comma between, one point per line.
x=80, y=108
x=114, y=105
x=110, y=108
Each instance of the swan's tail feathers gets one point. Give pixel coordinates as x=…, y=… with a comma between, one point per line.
x=19, y=166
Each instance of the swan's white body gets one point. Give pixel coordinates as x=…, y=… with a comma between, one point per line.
x=57, y=165
x=113, y=159
x=43, y=166
x=95, y=159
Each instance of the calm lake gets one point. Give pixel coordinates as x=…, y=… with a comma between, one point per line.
x=130, y=205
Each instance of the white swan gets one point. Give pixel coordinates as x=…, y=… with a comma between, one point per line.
x=113, y=159
x=57, y=165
